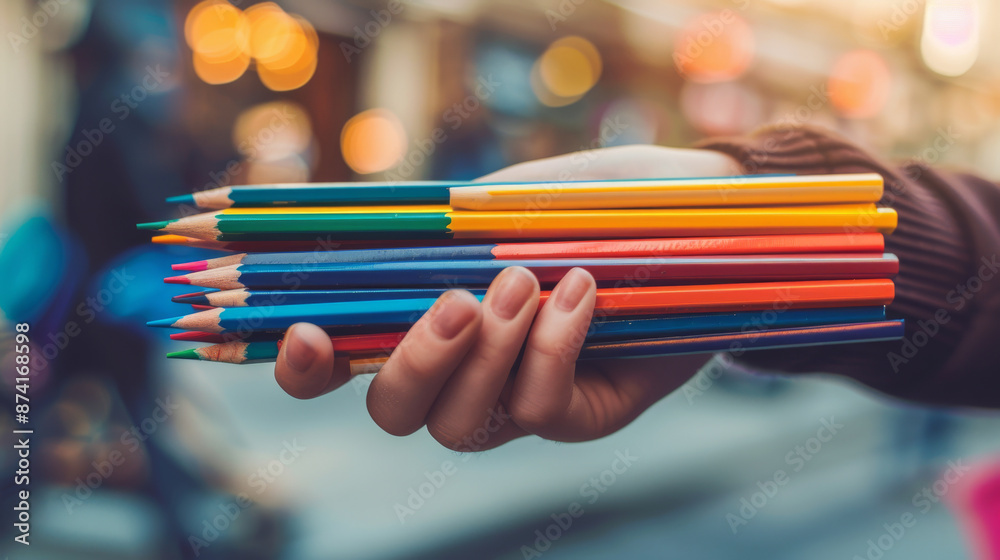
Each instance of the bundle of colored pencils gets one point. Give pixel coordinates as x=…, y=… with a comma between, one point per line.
x=682, y=265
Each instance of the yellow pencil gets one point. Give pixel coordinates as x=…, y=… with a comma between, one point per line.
x=666, y=193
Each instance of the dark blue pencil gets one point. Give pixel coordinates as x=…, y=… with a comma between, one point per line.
x=603, y=329
x=450, y=273
x=242, y=352
x=615, y=328
x=756, y=340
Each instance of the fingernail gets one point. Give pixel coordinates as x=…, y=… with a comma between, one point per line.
x=299, y=353
x=571, y=289
x=450, y=316
x=512, y=292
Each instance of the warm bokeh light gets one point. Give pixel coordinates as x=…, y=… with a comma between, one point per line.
x=714, y=47
x=721, y=109
x=949, y=43
x=271, y=30
x=373, y=141
x=859, y=84
x=225, y=39
x=294, y=65
x=272, y=131
x=217, y=31
x=567, y=70
x=220, y=72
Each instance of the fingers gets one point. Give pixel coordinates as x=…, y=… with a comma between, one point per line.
x=623, y=162
x=402, y=393
x=544, y=400
x=465, y=416
x=306, y=367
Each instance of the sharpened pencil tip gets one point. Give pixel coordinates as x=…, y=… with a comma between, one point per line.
x=163, y=322
x=196, y=298
x=155, y=225
x=169, y=239
x=181, y=199
x=196, y=266
x=189, y=354
x=176, y=280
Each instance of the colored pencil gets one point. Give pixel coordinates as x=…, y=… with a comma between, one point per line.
x=618, y=248
x=255, y=352
x=321, y=194
x=758, y=340
x=565, y=224
x=613, y=328
x=245, y=353
x=258, y=298
x=317, y=243
x=611, y=301
x=440, y=192
x=731, y=191
x=451, y=273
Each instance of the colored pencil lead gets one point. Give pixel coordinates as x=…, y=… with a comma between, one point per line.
x=188, y=354
x=155, y=225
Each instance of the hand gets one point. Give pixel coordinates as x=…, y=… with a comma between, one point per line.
x=453, y=370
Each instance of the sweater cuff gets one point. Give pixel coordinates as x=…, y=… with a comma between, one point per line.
x=936, y=255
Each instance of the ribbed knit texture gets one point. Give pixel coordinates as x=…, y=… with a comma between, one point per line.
x=947, y=224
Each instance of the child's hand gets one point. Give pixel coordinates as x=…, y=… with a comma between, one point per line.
x=453, y=371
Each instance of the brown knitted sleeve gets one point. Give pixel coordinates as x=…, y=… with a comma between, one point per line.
x=948, y=287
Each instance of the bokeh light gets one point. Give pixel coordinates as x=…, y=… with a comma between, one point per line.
x=721, y=109
x=373, y=141
x=294, y=65
x=220, y=72
x=859, y=84
x=272, y=131
x=567, y=70
x=949, y=43
x=714, y=47
x=225, y=39
x=217, y=31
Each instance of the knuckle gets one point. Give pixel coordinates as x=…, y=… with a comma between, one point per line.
x=417, y=363
x=533, y=416
x=554, y=345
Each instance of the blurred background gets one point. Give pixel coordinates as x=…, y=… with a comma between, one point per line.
x=109, y=106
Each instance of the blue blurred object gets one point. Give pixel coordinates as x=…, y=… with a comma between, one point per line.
x=129, y=290
x=37, y=263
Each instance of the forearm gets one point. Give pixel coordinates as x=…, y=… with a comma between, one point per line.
x=947, y=241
